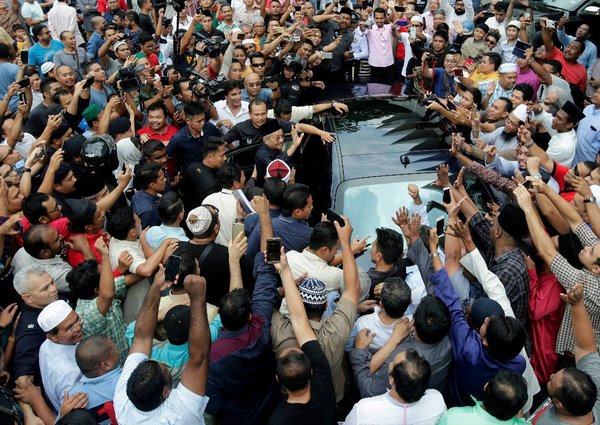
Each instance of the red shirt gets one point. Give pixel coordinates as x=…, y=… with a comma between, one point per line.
x=559, y=175
x=164, y=137
x=75, y=257
x=61, y=225
x=574, y=73
x=545, y=315
x=102, y=5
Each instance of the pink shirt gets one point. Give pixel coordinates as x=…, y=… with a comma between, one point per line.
x=531, y=78
x=380, y=46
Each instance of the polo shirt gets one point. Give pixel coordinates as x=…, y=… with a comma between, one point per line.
x=588, y=136
x=185, y=148
x=145, y=206
x=294, y=234
x=380, y=40
x=165, y=137
x=475, y=415
x=561, y=147
x=100, y=392
x=59, y=370
x=93, y=46
x=265, y=95
x=157, y=234
x=181, y=407
x=574, y=73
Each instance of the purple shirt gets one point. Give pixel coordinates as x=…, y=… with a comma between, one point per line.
x=531, y=78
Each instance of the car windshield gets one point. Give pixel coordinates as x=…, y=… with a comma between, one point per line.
x=569, y=5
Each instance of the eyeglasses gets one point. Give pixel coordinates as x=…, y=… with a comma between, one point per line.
x=257, y=84
x=258, y=65
x=77, y=324
x=492, y=42
x=56, y=208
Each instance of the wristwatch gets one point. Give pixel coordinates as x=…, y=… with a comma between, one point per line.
x=537, y=176
x=590, y=200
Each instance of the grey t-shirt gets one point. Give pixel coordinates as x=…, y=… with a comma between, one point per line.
x=590, y=364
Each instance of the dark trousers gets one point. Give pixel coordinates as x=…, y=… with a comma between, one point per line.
x=383, y=75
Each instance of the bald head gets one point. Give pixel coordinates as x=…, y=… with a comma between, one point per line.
x=91, y=353
x=34, y=241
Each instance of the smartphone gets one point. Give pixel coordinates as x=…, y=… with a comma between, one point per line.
x=550, y=23
x=273, y=250
x=24, y=83
x=468, y=62
x=198, y=11
x=240, y=36
x=439, y=226
x=336, y=33
x=412, y=32
x=446, y=194
x=452, y=107
x=278, y=30
x=236, y=229
x=458, y=72
x=172, y=268
x=25, y=56
x=40, y=155
x=519, y=50
x=22, y=97
x=399, y=8
x=164, y=81
x=88, y=83
x=327, y=55
x=18, y=227
x=332, y=216
x=402, y=23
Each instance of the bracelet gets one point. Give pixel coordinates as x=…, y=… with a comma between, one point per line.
x=529, y=145
x=433, y=255
x=11, y=339
x=27, y=170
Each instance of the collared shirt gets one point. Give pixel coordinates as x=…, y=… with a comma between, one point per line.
x=332, y=333
x=573, y=72
x=112, y=324
x=226, y=203
x=145, y=206
x=166, y=135
x=475, y=415
x=380, y=46
x=568, y=276
x=56, y=267
x=224, y=28
x=359, y=48
x=186, y=149
x=385, y=410
x=294, y=234
x=157, y=234
x=181, y=407
x=93, y=46
x=224, y=113
x=561, y=147
x=59, y=370
x=63, y=17
x=101, y=392
x=588, y=136
x=509, y=267
x=506, y=51
x=264, y=94
x=28, y=339
x=498, y=91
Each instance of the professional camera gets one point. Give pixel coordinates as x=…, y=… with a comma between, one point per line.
x=127, y=79
x=212, y=46
x=203, y=87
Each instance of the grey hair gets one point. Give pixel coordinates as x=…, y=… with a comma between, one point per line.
x=21, y=279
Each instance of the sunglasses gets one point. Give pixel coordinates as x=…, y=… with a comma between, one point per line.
x=258, y=65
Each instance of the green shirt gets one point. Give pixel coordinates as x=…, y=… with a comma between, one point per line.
x=112, y=325
x=474, y=415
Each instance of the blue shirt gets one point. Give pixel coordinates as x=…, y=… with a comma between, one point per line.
x=588, y=135
x=469, y=353
x=8, y=75
x=294, y=234
x=251, y=220
x=38, y=54
x=440, y=76
x=264, y=94
x=100, y=390
x=93, y=46
x=146, y=207
x=185, y=148
x=157, y=234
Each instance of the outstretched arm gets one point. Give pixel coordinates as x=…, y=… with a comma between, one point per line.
x=582, y=325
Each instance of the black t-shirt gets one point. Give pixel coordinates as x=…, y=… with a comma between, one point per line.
x=215, y=269
x=199, y=181
x=146, y=23
x=321, y=408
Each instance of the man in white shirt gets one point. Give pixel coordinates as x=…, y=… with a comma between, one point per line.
x=63, y=17
x=231, y=177
x=231, y=110
x=58, y=366
x=408, y=397
x=143, y=394
x=497, y=22
x=561, y=147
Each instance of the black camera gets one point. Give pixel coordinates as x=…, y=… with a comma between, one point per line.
x=212, y=46
x=203, y=87
x=127, y=79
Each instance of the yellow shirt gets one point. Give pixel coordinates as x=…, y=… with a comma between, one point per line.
x=479, y=77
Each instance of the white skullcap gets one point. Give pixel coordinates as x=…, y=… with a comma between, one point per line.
x=520, y=112
x=53, y=314
x=417, y=18
x=199, y=219
x=514, y=23
x=47, y=67
x=247, y=41
x=505, y=68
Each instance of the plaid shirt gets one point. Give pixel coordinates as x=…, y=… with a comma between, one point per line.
x=112, y=325
x=568, y=276
x=509, y=267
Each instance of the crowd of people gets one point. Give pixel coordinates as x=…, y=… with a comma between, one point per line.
x=147, y=278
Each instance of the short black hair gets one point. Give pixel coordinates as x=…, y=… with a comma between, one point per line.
x=556, y=65
x=4, y=51
x=526, y=89
x=36, y=30
x=282, y=107
x=256, y=102
x=211, y=145
x=295, y=197
x=508, y=104
x=495, y=59
x=193, y=109
x=158, y=106
x=390, y=244
x=33, y=239
x=33, y=208
x=77, y=417
x=411, y=376
x=60, y=92
x=145, y=386
x=323, y=235
x=500, y=7
x=133, y=16
x=476, y=96
x=187, y=266
x=505, y=394
x=235, y=309
x=146, y=175
x=152, y=146
x=144, y=37
x=84, y=279
x=294, y=370
x=119, y=222
x=45, y=87
x=577, y=392
x=379, y=10
x=432, y=319
x=442, y=34
x=505, y=336
x=395, y=296
x=273, y=190
x=228, y=174
x=230, y=85
x=256, y=55
x=169, y=208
